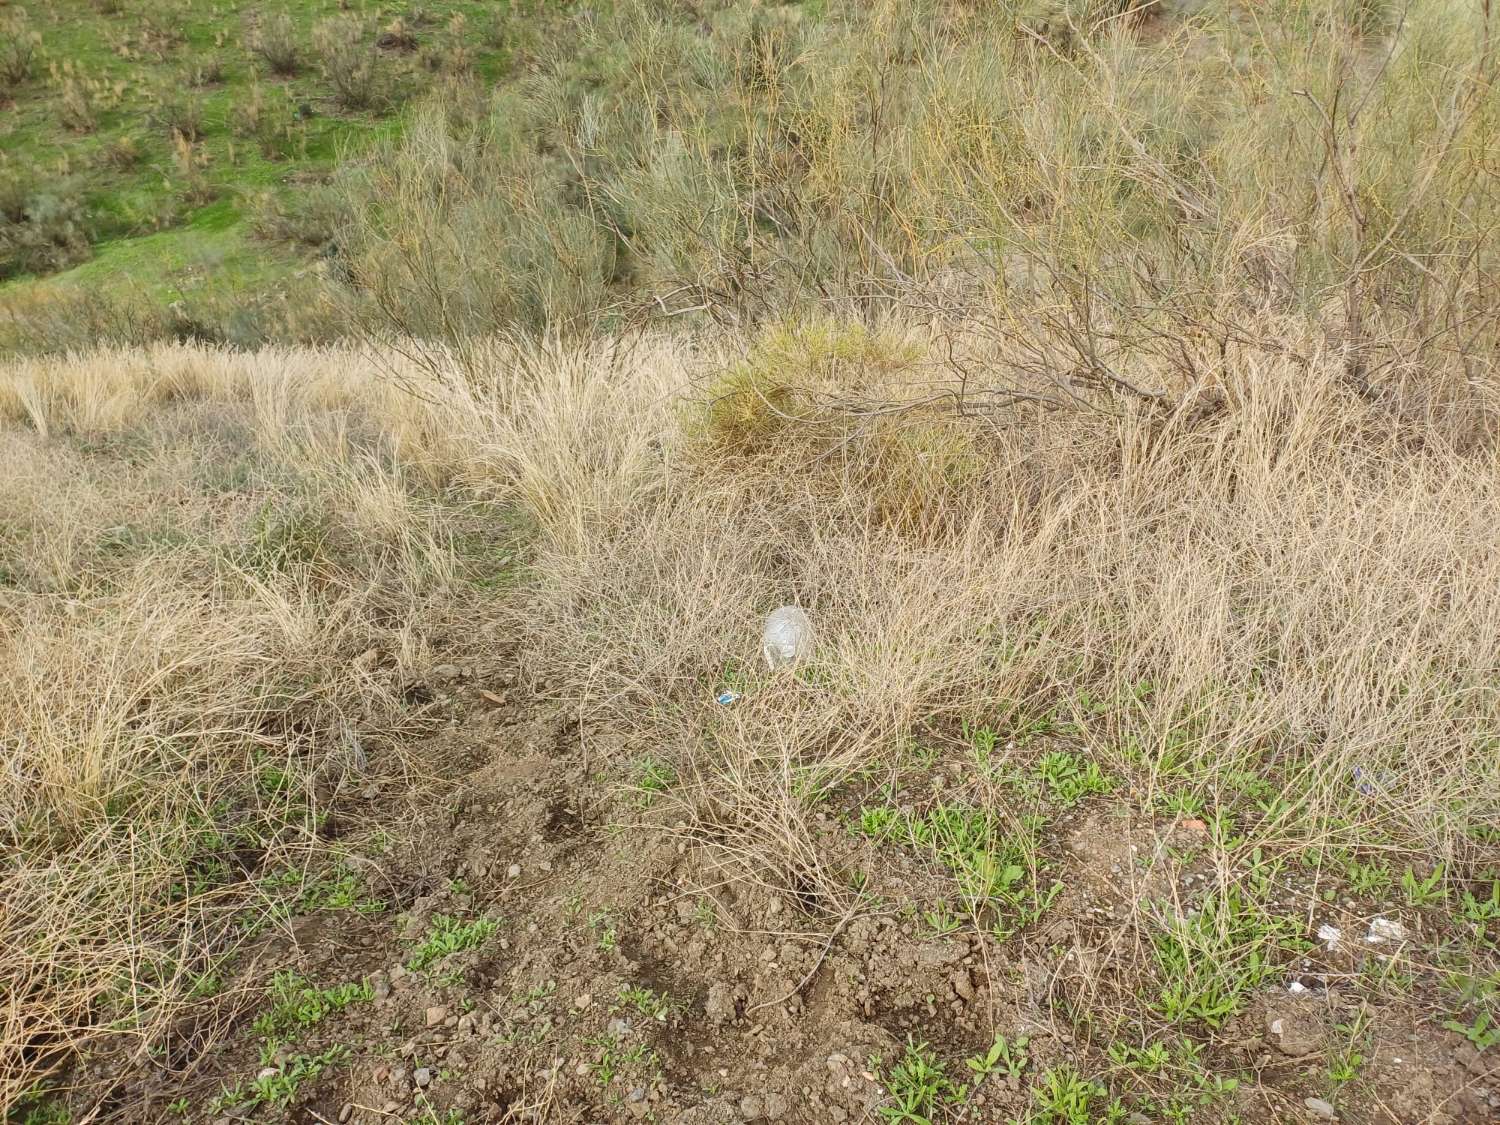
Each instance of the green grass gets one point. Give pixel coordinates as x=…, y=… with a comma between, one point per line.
x=297, y=1006
x=450, y=935
x=163, y=224
x=279, y=1088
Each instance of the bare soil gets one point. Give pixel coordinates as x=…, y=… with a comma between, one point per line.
x=768, y=1012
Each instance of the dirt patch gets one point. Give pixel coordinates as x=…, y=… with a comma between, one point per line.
x=625, y=978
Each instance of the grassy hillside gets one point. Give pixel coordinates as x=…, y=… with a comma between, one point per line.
x=176, y=148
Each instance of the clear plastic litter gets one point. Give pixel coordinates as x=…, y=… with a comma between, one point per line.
x=788, y=637
x=1330, y=936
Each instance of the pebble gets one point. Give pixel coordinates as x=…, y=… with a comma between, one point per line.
x=346, y=1112
x=446, y=673
x=423, y=1076
x=266, y=1072
x=751, y=1108
x=436, y=1015
x=1319, y=1108
x=638, y=1094
x=514, y=870
x=583, y=1001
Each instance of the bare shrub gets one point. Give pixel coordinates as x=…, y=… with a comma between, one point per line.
x=276, y=41
x=310, y=215
x=19, y=44
x=179, y=112
x=75, y=107
x=349, y=62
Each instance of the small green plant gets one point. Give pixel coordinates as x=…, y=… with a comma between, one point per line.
x=297, y=1006
x=878, y=821
x=1346, y=1060
x=942, y=918
x=1369, y=878
x=602, y=923
x=918, y=1087
x=1482, y=913
x=1152, y=1059
x=1006, y=1057
x=1070, y=780
x=280, y=1087
x=1482, y=1033
x=614, y=1059
x=648, y=1002
x=1209, y=961
x=448, y=935
x=653, y=777
x=1424, y=891
x=1065, y=1097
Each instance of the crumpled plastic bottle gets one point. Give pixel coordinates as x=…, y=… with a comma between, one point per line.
x=788, y=637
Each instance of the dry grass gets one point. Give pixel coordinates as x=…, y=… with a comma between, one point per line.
x=1242, y=613
x=1230, y=605
x=195, y=547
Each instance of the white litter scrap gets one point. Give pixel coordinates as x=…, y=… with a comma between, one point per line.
x=1330, y=936
x=1384, y=929
x=1296, y=988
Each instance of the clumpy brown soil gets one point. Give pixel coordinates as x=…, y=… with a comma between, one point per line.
x=758, y=1010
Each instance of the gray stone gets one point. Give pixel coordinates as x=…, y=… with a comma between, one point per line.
x=423, y=1076
x=1319, y=1108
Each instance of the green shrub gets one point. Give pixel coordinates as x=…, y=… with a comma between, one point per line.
x=41, y=230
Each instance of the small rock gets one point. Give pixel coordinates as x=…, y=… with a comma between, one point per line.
x=963, y=987
x=752, y=1108
x=446, y=673
x=514, y=871
x=619, y=1027
x=423, y=1076
x=436, y=1015
x=266, y=1072
x=638, y=1094
x=380, y=987
x=346, y=1112
x=1319, y=1108
x=776, y=1107
x=583, y=1001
